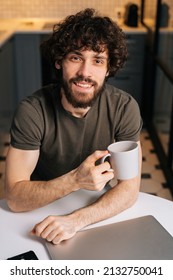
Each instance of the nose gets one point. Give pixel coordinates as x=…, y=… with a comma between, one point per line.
x=85, y=69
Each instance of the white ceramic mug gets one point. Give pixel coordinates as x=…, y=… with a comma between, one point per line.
x=124, y=159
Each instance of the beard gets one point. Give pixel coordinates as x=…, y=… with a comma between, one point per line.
x=79, y=99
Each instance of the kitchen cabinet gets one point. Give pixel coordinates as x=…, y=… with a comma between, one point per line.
x=163, y=87
x=7, y=80
x=27, y=63
x=130, y=78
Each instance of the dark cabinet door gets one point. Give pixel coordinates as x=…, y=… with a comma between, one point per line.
x=27, y=63
x=7, y=81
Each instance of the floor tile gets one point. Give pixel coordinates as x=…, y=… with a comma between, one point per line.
x=158, y=176
x=1, y=188
x=152, y=159
x=165, y=193
x=2, y=167
x=150, y=186
x=147, y=167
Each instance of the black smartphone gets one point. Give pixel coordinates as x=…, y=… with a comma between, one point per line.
x=30, y=255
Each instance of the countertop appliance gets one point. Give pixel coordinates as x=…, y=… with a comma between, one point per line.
x=131, y=15
x=164, y=15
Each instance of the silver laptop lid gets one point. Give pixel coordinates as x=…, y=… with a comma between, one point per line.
x=139, y=238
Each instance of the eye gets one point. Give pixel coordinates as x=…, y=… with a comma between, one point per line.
x=75, y=58
x=99, y=61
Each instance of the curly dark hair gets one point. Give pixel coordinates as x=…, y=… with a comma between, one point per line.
x=87, y=30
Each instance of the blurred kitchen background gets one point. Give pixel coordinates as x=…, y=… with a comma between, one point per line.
x=58, y=8
x=147, y=75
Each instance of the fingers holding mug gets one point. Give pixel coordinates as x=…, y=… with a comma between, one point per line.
x=104, y=159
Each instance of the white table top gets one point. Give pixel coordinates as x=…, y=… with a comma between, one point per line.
x=15, y=227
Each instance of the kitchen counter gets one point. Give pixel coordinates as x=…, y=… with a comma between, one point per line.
x=151, y=25
x=9, y=27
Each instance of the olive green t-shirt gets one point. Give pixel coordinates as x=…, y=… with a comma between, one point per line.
x=64, y=141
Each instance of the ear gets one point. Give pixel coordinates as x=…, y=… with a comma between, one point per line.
x=57, y=66
x=107, y=74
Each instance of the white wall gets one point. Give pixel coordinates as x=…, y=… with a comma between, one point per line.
x=57, y=8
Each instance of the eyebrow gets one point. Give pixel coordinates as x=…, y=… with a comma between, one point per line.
x=97, y=55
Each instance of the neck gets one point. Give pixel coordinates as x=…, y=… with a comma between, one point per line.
x=76, y=112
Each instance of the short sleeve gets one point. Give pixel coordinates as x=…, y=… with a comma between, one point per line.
x=27, y=128
x=130, y=121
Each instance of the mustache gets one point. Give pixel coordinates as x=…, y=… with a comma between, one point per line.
x=82, y=79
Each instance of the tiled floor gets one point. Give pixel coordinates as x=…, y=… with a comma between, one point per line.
x=153, y=180
x=162, y=125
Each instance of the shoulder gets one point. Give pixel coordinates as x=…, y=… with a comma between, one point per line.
x=118, y=99
x=42, y=95
x=124, y=112
x=39, y=101
x=28, y=125
x=115, y=93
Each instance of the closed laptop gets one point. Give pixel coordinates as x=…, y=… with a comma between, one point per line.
x=140, y=238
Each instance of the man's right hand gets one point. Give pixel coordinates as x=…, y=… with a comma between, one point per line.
x=91, y=176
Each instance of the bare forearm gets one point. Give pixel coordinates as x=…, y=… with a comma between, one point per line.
x=114, y=201
x=28, y=195
x=58, y=228
x=111, y=203
x=24, y=195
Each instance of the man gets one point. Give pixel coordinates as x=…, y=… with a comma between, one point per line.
x=61, y=132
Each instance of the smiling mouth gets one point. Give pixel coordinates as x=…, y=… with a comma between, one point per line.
x=83, y=85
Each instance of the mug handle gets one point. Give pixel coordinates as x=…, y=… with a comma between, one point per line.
x=103, y=160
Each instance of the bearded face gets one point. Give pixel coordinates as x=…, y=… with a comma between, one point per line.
x=84, y=74
x=85, y=94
